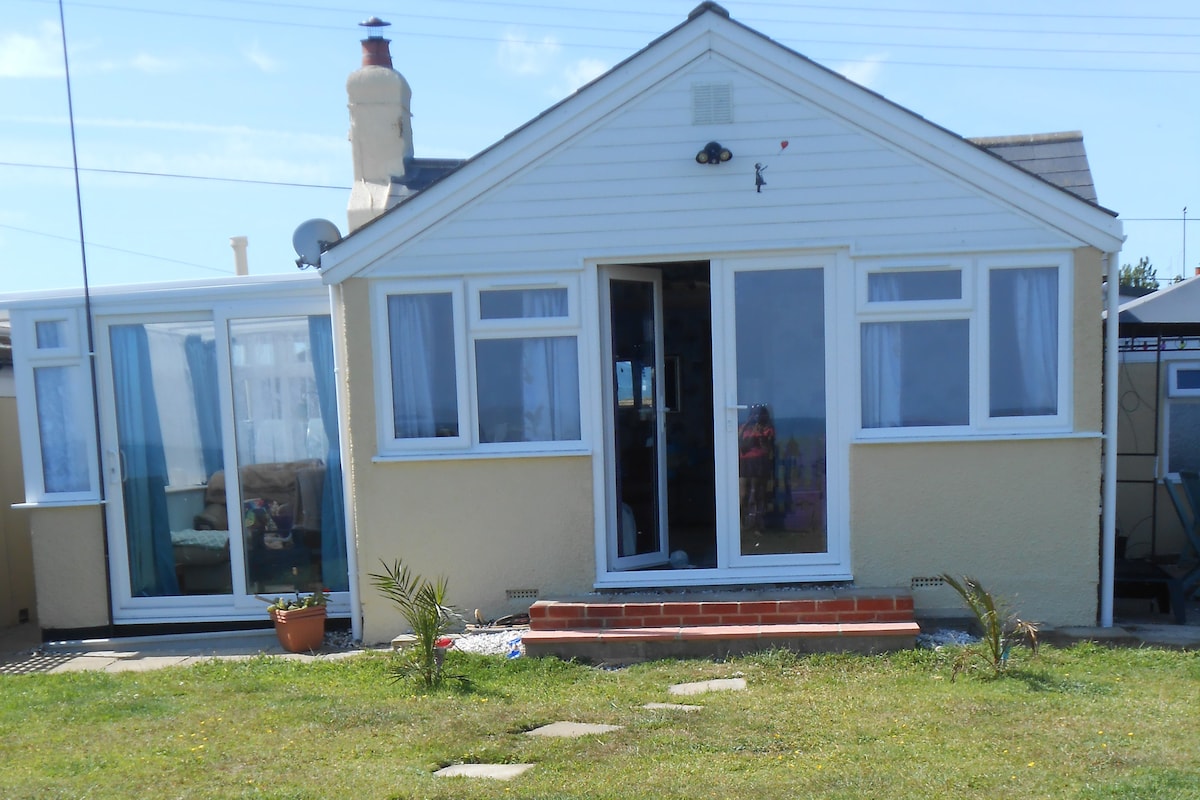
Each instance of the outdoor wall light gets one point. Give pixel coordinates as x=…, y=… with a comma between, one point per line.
x=713, y=153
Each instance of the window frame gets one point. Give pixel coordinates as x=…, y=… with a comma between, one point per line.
x=975, y=307
x=469, y=328
x=28, y=358
x=389, y=443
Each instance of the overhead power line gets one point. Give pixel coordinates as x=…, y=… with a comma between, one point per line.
x=179, y=176
x=91, y=243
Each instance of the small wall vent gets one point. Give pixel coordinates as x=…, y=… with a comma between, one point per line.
x=521, y=594
x=712, y=103
x=926, y=583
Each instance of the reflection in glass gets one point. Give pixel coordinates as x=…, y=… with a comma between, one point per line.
x=164, y=382
x=780, y=329
x=290, y=476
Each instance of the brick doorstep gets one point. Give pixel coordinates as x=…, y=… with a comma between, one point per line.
x=717, y=632
x=627, y=645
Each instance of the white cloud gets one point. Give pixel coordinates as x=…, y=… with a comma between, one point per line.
x=256, y=56
x=582, y=72
x=865, y=71
x=522, y=56
x=153, y=65
x=39, y=56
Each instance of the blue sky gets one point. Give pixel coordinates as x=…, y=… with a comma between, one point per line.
x=254, y=90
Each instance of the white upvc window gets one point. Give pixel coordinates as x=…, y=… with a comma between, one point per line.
x=965, y=346
x=1181, y=422
x=54, y=401
x=479, y=365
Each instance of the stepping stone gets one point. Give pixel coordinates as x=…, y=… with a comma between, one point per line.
x=572, y=729
x=500, y=772
x=700, y=687
x=671, y=707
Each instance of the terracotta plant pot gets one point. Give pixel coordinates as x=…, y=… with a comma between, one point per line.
x=300, y=630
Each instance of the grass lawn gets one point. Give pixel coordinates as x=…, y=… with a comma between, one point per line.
x=1083, y=722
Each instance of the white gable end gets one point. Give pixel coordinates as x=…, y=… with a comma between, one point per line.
x=618, y=177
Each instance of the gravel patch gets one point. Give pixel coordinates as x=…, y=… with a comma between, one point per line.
x=939, y=638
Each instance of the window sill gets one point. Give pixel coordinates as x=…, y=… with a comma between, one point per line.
x=34, y=504
x=983, y=436
x=478, y=455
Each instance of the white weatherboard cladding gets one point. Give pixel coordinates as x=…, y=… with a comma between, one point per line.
x=630, y=185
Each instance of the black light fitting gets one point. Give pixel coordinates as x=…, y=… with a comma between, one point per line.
x=713, y=153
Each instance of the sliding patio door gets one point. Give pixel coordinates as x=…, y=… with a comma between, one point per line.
x=162, y=442
x=222, y=463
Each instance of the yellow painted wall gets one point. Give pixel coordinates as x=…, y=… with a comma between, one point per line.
x=16, y=554
x=1021, y=516
x=68, y=556
x=491, y=525
x=1088, y=339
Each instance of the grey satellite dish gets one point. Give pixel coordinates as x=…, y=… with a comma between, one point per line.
x=312, y=239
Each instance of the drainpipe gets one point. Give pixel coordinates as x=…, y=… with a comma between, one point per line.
x=1108, y=539
x=337, y=319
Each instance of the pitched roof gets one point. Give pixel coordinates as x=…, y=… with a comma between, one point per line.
x=1177, y=303
x=1057, y=158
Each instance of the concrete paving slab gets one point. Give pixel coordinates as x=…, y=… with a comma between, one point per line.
x=83, y=664
x=700, y=687
x=572, y=729
x=671, y=707
x=500, y=772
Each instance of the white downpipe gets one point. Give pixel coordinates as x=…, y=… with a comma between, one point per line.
x=1108, y=539
x=337, y=319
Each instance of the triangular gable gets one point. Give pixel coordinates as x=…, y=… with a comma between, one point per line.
x=710, y=34
x=1177, y=303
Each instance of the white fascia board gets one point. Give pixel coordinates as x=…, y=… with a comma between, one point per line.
x=546, y=133
x=155, y=296
x=905, y=130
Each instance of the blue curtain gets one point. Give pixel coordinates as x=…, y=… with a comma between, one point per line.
x=334, y=569
x=202, y=366
x=144, y=466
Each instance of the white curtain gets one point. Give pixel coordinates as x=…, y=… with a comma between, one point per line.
x=881, y=361
x=411, y=331
x=1035, y=314
x=549, y=376
x=59, y=396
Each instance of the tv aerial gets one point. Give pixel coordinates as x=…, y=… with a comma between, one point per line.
x=312, y=239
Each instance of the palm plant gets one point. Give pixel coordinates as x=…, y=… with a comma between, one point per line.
x=422, y=603
x=1000, y=630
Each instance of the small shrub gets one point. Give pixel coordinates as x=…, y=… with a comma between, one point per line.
x=422, y=603
x=1000, y=630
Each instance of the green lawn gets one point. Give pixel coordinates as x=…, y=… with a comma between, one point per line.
x=1083, y=722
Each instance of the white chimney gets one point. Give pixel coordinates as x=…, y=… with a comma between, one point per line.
x=380, y=128
x=240, y=265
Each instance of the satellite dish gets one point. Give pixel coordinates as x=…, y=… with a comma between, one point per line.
x=311, y=239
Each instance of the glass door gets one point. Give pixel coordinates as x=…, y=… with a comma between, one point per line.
x=777, y=419
x=634, y=418
x=162, y=445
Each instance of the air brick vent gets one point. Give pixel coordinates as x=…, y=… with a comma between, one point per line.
x=521, y=594
x=926, y=583
x=712, y=103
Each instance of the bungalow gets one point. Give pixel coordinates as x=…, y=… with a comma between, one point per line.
x=721, y=318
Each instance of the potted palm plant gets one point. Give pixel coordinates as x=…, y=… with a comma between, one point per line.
x=300, y=621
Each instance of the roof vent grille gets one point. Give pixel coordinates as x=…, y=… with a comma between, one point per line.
x=712, y=103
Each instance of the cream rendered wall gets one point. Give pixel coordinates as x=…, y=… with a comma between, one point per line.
x=490, y=525
x=1022, y=516
x=16, y=556
x=68, y=558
